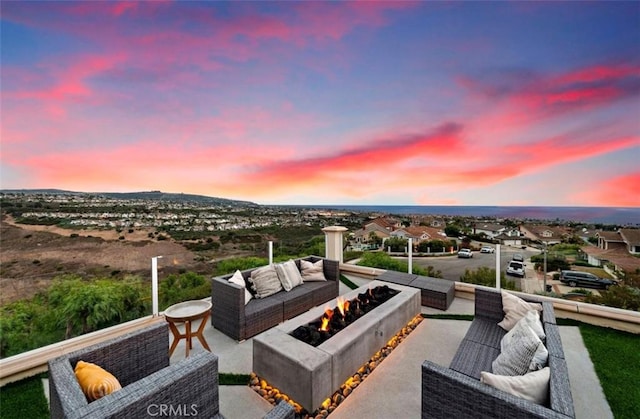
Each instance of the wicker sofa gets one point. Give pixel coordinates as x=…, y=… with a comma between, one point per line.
x=231, y=316
x=140, y=362
x=457, y=391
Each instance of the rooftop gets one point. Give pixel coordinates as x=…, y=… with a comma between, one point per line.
x=399, y=375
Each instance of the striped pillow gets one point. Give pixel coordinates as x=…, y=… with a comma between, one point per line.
x=95, y=381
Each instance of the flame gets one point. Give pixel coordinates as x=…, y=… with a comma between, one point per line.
x=326, y=403
x=328, y=313
x=341, y=305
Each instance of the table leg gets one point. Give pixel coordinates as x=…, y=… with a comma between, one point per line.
x=199, y=332
x=176, y=337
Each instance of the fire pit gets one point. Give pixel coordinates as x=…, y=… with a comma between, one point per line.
x=342, y=315
x=310, y=374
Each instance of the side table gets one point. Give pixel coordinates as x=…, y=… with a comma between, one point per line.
x=188, y=312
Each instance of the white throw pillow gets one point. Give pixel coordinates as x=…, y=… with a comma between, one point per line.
x=532, y=386
x=265, y=281
x=288, y=274
x=312, y=271
x=522, y=330
x=514, y=309
x=518, y=352
x=532, y=319
x=237, y=278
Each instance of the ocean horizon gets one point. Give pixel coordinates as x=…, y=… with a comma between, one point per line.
x=592, y=215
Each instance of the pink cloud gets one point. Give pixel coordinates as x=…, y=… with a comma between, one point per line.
x=617, y=191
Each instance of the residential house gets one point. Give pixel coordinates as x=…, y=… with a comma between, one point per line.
x=543, y=233
x=419, y=233
x=490, y=230
x=616, y=248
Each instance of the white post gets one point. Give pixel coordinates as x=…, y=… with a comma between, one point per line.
x=154, y=284
x=410, y=255
x=333, y=242
x=270, y=252
x=498, y=266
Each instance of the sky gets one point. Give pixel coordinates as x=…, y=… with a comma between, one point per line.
x=372, y=103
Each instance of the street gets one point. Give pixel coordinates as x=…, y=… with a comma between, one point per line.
x=453, y=268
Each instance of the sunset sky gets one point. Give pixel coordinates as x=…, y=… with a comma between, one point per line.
x=402, y=103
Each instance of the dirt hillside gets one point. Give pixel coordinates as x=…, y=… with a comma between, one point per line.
x=31, y=256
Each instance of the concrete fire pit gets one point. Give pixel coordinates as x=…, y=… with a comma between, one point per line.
x=308, y=374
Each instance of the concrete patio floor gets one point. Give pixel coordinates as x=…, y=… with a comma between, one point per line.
x=394, y=388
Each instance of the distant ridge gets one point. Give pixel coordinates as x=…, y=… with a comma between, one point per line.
x=144, y=195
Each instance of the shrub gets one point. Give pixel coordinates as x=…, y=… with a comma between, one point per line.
x=621, y=296
x=487, y=277
x=186, y=286
x=228, y=266
x=383, y=261
x=396, y=244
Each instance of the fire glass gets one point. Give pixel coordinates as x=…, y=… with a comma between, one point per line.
x=341, y=316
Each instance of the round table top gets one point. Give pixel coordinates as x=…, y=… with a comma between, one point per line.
x=188, y=310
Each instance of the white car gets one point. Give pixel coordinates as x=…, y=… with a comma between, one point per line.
x=515, y=269
x=487, y=249
x=465, y=253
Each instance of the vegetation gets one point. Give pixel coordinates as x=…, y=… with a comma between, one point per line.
x=554, y=263
x=384, y=261
x=487, y=277
x=183, y=287
x=616, y=359
x=397, y=244
x=622, y=296
x=70, y=307
x=25, y=399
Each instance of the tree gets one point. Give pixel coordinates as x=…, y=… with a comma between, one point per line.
x=88, y=306
x=397, y=244
x=452, y=230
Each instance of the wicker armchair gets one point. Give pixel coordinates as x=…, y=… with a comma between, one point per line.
x=140, y=361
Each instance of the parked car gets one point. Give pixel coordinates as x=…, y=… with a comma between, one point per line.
x=487, y=249
x=575, y=278
x=515, y=269
x=465, y=253
x=518, y=257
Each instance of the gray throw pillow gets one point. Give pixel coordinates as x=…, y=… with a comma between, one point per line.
x=265, y=281
x=517, y=352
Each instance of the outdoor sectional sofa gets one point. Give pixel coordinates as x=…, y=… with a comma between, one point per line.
x=231, y=316
x=457, y=391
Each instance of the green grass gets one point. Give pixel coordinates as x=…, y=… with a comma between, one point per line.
x=229, y=379
x=24, y=399
x=616, y=359
x=347, y=282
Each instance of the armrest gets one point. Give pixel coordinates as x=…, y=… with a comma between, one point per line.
x=447, y=393
x=488, y=304
x=190, y=385
x=227, y=311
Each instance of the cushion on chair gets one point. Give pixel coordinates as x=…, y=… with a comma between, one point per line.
x=523, y=330
x=518, y=351
x=95, y=381
x=265, y=281
x=514, y=309
x=532, y=386
x=312, y=271
x=238, y=279
x=288, y=274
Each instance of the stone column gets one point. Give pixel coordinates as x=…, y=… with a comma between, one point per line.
x=333, y=242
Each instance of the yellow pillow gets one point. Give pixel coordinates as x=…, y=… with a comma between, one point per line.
x=95, y=381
